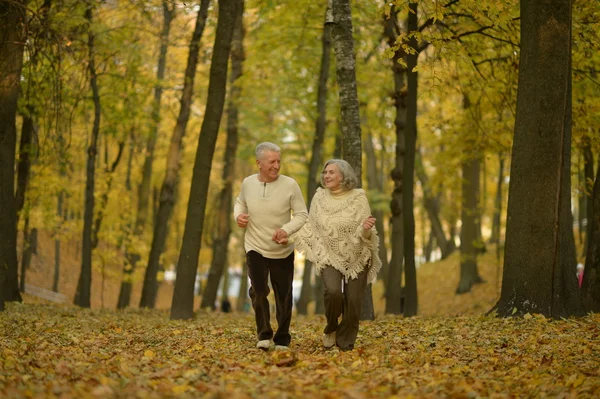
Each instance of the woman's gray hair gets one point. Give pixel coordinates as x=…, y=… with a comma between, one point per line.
x=264, y=147
x=349, y=178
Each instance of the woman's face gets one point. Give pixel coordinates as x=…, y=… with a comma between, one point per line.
x=332, y=177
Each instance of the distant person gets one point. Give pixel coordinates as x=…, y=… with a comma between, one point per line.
x=341, y=240
x=580, y=270
x=264, y=208
x=225, y=305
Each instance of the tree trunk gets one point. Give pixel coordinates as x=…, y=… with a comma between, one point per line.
x=168, y=191
x=590, y=288
x=539, y=262
x=394, y=297
x=343, y=46
x=316, y=161
x=83, y=295
x=183, y=296
x=126, y=283
x=410, y=270
x=432, y=208
x=59, y=213
x=376, y=184
x=26, y=253
x=104, y=197
x=496, y=218
x=588, y=175
x=243, y=293
x=470, y=215
x=221, y=240
x=144, y=188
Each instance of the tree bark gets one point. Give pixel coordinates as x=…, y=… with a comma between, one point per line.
x=590, y=288
x=343, y=46
x=221, y=240
x=410, y=270
x=83, y=295
x=316, y=161
x=168, y=191
x=470, y=215
x=539, y=263
x=394, y=293
x=183, y=296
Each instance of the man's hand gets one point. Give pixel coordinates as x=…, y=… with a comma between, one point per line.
x=280, y=237
x=368, y=223
x=242, y=220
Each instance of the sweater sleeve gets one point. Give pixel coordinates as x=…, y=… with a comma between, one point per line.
x=299, y=211
x=240, y=204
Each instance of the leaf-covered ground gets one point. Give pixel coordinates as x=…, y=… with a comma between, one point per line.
x=57, y=351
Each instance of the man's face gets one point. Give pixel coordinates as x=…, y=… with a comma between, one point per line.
x=268, y=166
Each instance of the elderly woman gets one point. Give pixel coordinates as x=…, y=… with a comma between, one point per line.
x=341, y=240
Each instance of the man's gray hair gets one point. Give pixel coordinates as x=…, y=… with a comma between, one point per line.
x=349, y=178
x=264, y=147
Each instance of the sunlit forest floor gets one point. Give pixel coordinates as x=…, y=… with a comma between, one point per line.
x=451, y=350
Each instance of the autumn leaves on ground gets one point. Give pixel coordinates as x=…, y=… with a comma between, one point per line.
x=452, y=349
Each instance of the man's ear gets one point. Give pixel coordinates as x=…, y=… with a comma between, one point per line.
x=257, y=162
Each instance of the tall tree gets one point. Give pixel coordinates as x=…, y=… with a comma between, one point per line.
x=182, y=306
x=168, y=190
x=315, y=161
x=539, y=256
x=84, y=286
x=470, y=212
x=343, y=46
x=223, y=228
x=12, y=40
x=590, y=287
x=394, y=295
x=408, y=172
x=133, y=255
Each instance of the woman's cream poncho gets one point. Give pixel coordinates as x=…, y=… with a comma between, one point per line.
x=334, y=235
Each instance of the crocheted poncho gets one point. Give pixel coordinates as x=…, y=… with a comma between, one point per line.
x=333, y=234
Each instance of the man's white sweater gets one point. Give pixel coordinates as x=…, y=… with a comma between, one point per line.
x=270, y=207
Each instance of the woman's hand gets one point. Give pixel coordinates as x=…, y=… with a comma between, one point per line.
x=368, y=223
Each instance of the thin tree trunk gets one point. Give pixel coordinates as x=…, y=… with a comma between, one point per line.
x=394, y=293
x=315, y=162
x=221, y=240
x=540, y=259
x=183, y=296
x=26, y=253
x=144, y=188
x=588, y=175
x=126, y=282
x=590, y=287
x=469, y=239
x=411, y=304
x=376, y=184
x=168, y=191
x=432, y=208
x=104, y=197
x=243, y=293
x=57, y=242
x=83, y=295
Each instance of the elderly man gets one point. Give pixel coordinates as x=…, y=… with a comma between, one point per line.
x=264, y=208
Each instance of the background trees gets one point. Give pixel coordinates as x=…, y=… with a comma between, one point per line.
x=450, y=51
